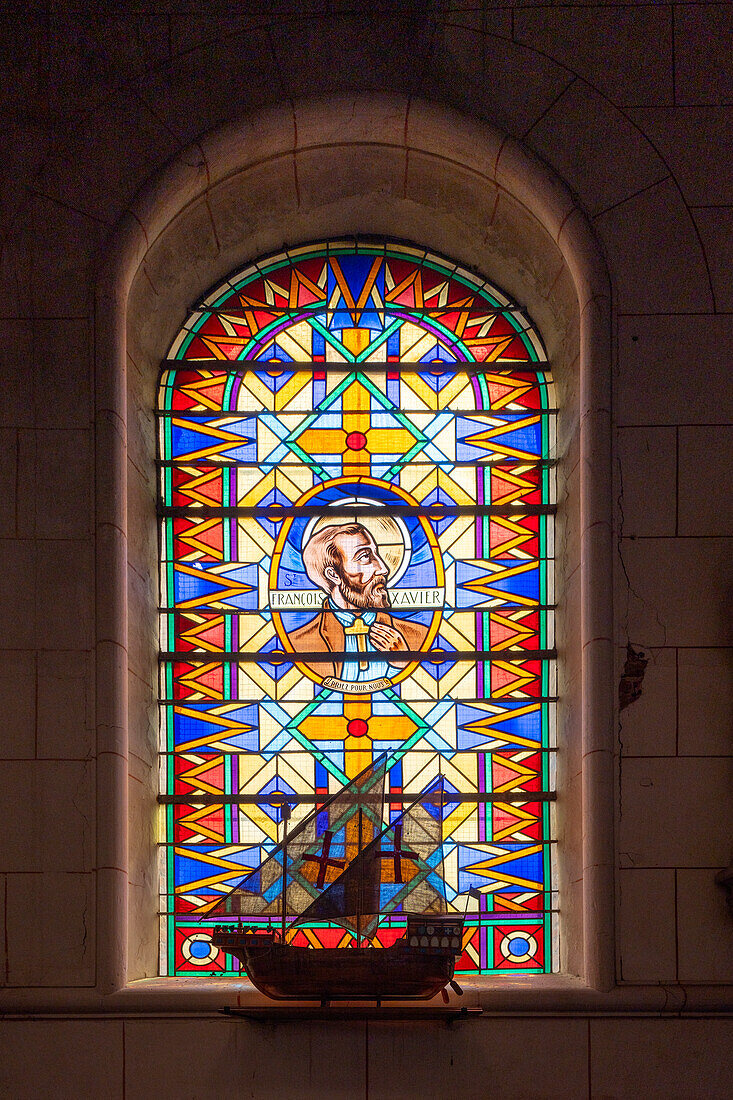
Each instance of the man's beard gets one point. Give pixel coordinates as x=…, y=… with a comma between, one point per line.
x=373, y=594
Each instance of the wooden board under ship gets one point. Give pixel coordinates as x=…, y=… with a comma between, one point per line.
x=344, y=866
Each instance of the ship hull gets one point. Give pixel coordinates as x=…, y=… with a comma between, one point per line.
x=284, y=972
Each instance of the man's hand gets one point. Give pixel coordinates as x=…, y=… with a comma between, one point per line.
x=388, y=640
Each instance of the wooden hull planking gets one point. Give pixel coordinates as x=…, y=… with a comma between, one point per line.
x=284, y=972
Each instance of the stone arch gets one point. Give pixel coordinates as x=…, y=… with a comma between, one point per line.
x=375, y=165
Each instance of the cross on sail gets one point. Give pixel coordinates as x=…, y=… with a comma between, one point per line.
x=404, y=861
x=324, y=845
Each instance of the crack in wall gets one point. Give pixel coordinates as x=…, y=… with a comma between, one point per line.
x=632, y=677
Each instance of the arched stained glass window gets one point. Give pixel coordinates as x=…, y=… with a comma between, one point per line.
x=356, y=446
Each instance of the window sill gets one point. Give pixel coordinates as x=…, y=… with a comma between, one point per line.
x=555, y=995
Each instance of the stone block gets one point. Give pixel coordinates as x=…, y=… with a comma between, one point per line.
x=519, y=82
x=588, y=41
x=23, y=158
x=491, y=1057
x=706, y=702
x=594, y=147
x=24, y=489
x=705, y=479
x=673, y=370
x=141, y=451
x=89, y=55
x=144, y=718
x=15, y=277
x=62, y=372
x=715, y=225
x=64, y=590
x=675, y=812
x=654, y=253
x=309, y=1059
x=321, y=181
x=200, y=88
x=121, y=120
x=458, y=16
x=16, y=375
x=3, y=931
x=55, y=484
x=192, y=30
x=143, y=904
x=645, y=929
x=143, y=625
x=18, y=693
x=660, y=1059
x=60, y=245
x=9, y=447
x=17, y=586
x=648, y=726
x=46, y=373
x=66, y=705
x=171, y=278
x=678, y=591
x=361, y=119
x=240, y=212
x=703, y=928
x=142, y=522
x=21, y=52
x=47, y=810
x=647, y=480
x=500, y=226
x=349, y=53
x=50, y=929
x=696, y=144
x=703, y=47
x=61, y=1058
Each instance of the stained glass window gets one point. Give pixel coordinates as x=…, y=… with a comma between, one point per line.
x=356, y=469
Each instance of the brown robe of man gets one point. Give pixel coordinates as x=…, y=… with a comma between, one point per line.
x=325, y=634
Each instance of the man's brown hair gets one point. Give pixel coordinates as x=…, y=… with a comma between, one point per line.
x=322, y=551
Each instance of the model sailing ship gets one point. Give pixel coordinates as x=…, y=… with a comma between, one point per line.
x=342, y=865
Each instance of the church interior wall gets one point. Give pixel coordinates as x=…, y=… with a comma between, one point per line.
x=112, y=122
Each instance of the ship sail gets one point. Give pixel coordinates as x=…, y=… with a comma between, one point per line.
x=400, y=870
x=316, y=852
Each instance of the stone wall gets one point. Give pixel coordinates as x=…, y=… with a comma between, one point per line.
x=630, y=105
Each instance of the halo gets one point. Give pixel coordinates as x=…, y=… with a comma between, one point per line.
x=390, y=533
